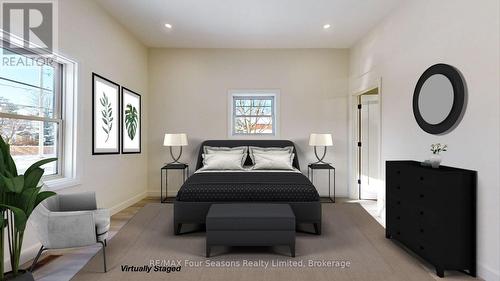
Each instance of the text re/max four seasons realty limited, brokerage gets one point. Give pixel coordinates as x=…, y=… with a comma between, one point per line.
x=162, y=265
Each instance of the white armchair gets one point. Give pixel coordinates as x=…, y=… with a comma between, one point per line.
x=70, y=221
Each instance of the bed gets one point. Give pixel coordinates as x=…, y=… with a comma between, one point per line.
x=205, y=188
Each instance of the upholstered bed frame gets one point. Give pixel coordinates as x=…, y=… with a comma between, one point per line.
x=186, y=212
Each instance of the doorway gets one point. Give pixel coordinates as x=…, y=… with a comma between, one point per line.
x=368, y=145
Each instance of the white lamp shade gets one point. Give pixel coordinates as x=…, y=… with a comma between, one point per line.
x=175, y=140
x=320, y=140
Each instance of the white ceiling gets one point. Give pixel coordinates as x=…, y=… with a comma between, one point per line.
x=249, y=23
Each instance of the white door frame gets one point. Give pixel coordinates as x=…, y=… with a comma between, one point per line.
x=353, y=138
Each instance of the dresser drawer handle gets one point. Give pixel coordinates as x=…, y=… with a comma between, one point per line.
x=421, y=196
x=398, y=217
x=399, y=202
x=398, y=172
x=421, y=230
x=421, y=213
x=398, y=187
x=421, y=178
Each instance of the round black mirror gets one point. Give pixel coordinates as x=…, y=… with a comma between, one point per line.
x=439, y=99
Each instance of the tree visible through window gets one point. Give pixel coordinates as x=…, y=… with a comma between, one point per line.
x=30, y=109
x=253, y=114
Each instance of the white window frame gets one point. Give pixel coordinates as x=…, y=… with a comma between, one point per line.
x=68, y=174
x=70, y=171
x=275, y=93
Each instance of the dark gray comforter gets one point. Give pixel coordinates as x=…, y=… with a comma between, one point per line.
x=247, y=187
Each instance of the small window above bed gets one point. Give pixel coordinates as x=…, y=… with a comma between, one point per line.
x=253, y=112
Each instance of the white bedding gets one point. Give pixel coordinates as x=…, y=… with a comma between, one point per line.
x=247, y=169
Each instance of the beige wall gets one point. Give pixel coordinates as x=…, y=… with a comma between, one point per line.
x=98, y=44
x=461, y=33
x=189, y=93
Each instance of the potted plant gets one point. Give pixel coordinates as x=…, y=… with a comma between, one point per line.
x=436, y=149
x=19, y=195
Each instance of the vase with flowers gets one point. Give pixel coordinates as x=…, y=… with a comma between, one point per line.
x=436, y=149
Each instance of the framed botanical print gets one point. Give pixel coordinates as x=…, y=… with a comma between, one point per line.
x=131, y=121
x=105, y=116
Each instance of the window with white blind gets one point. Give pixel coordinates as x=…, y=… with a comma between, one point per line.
x=253, y=112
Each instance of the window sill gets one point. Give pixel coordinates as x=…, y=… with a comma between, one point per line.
x=61, y=183
x=254, y=136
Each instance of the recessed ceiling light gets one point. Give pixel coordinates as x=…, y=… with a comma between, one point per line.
x=169, y=26
x=326, y=26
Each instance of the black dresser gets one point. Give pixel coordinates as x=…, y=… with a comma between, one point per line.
x=433, y=213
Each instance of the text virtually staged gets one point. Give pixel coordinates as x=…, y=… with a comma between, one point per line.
x=220, y=140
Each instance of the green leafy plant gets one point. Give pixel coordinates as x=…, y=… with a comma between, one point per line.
x=107, y=116
x=19, y=195
x=437, y=148
x=131, y=119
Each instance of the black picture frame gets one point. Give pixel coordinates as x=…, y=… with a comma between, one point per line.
x=459, y=99
x=95, y=150
x=123, y=127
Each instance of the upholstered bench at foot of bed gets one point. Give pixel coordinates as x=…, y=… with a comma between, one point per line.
x=250, y=225
x=306, y=213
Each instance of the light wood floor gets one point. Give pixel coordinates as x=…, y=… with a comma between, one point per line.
x=63, y=265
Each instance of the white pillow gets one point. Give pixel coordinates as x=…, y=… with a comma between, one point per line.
x=228, y=150
x=212, y=149
x=223, y=161
x=256, y=149
x=273, y=161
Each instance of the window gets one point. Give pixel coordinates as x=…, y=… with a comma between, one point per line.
x=253, y=113
x=31, y=110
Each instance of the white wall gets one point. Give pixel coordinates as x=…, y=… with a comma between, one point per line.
x=189, y=93
x=99, y=44
x=462, y=33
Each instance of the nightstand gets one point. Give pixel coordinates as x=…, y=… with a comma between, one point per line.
x=171, y=166
x=323, y=166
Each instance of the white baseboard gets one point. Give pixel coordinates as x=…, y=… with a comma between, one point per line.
x=157, y=194
x=153, y=193
x=125, y=204
x=487, y=274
